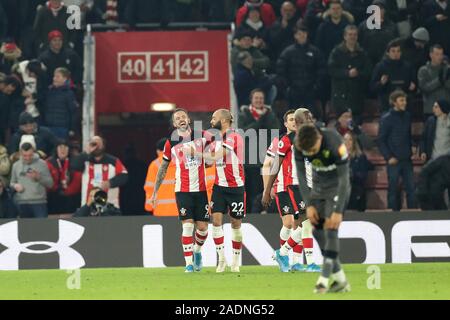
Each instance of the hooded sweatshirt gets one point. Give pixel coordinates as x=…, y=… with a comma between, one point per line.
x=35, y=192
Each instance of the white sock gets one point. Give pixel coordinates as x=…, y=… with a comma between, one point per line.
x=188, y=229
x=339, y=276
x=236, y=238
x=296, y=236
x=307, y=234
x=220, y=248
x=285, y=233
x=324, y=281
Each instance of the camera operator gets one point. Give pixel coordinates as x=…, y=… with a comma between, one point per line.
x=97, y=206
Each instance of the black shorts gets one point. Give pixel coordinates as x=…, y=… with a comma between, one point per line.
x=228, y=200
x=193, y=205
x=290, y=202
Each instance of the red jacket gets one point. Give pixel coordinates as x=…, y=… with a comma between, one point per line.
x=268, y=16
x=60, y=172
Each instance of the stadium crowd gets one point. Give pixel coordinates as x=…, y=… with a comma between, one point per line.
x=320, y=54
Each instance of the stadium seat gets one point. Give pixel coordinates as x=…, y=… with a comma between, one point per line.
x=370, y=128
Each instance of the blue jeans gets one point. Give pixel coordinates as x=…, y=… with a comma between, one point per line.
x=403, y=169
x=33, y=210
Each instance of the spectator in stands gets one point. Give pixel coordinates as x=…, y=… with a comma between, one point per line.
x=402, y=14
x=268, y=16
x=254, y=25
x=29, y=178
x=436, y=18
x=395, y=144
x=4, y=110
x=415, y=49
x=436, y=134
x=359, y=170
x=314, y=15
x=35, y=83
x=165, y=200
x=375, y=40
x=245, y=81
x=58, y=56
x=60, y=105
x=345, y=123
x=256, y=116
x=45, y=140
x=5, y=163
x=434, y=179
x=357, y=8
x=64, y=195
x=10, y=54
x=97, y=206
x=15, y=101
x=331, y=29
x=260, y=61
x=281, y=34
x=52, y=17
x=434, y=79
x=7, y=207
x=302, y=68
x=392, y=73
x=350, y=69
x=100, y=170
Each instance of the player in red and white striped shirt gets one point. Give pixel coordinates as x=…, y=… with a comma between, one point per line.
x=228, y=195
x=288, y=197
x=190, y=185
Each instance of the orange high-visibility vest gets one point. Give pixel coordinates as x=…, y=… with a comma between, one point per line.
x=165, y=199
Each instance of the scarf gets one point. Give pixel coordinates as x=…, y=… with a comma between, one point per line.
x=257, y=113
x=55, y=9
x=111, y=12
x=254, y=25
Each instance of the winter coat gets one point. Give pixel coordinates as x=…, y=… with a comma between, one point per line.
x=330, y=35
x=432, y=86
x=260, y=61
x=268, y=16
x=302, y=67
x=247, y=121
x=348, y=92
x=434, y=177
x=245, y=81
x=279, y=38
x=66, y=58
x=35, y=192
x=400, y=77
x=439, y=30
x=416, y=57
x=375, y=41
x=394, y=137
x=45, y=22
x=44, y=138
x=62, y=173
x=60, y=107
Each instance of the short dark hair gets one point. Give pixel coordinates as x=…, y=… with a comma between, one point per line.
x=13, y=81
x=393, y=44
x=252, y=93
x=334, y=2
x=179, y=110
x=287, y=113
x=395, y=95
x=26, y=146
x=307, y=137
x=436, y=46
x=300, y=27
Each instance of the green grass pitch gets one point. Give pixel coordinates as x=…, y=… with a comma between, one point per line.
x=412, y=281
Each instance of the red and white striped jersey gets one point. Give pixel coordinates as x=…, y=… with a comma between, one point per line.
x=190, y=170
x=230, y=169
x=97, y=172
x=283, y=179
x=286, y=150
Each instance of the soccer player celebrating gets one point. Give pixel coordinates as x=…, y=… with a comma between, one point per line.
x=287, y=195
x=228, y=194
x=190, y=186
x=325, y=202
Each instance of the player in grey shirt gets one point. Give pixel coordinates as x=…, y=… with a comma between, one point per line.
x=325, y=202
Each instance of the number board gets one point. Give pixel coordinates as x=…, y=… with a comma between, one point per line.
x=163, y=66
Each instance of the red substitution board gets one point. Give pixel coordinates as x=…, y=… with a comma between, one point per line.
x=136, y=69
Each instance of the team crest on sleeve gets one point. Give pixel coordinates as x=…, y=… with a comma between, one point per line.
x=343, y=153
x=280, y=144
